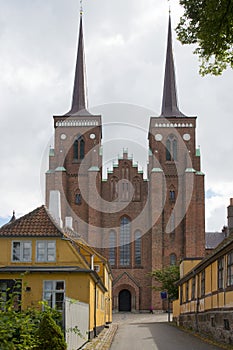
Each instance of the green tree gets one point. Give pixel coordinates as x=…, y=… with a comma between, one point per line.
x=50, y=334
x=209, y=25
x=167, y=278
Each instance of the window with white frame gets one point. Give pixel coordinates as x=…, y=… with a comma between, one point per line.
x=53, y=293
x=21, y=251
x=45, y=251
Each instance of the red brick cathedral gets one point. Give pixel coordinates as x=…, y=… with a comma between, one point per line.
x=138, y=224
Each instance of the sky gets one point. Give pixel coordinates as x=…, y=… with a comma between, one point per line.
x=125, y=45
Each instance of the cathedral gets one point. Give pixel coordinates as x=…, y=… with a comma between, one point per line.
x=138, y=224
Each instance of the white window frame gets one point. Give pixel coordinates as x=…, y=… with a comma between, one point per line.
x=53, y=291
x=22, y=248
x=46, y=251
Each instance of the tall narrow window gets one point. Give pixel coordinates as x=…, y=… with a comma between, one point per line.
x=193, y=287
x=171, y=148
x=79, y=148
x=137, y=248
x=174, y=149
x=220, y=272
x=230, y=269
x=82, y=149
x=76, y=149
x=203, y=283
x=168, y=150
x=125, y=242
x=112, y=248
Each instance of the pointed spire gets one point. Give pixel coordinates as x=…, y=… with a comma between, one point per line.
x=79, y=100
x=170, y=103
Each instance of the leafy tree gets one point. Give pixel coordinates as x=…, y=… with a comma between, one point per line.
x=209, y=25
x=167, y=278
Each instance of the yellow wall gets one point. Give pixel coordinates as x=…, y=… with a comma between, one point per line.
x=78, y=286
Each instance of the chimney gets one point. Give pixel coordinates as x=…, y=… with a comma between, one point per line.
x=69, y=222
x=55, y=206
x=230, y=216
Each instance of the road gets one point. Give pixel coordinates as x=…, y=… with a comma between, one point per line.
x=152, y=332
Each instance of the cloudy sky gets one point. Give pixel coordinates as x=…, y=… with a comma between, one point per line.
x=125, y=43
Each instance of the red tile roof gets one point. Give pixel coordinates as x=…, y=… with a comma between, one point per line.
x=38, y=223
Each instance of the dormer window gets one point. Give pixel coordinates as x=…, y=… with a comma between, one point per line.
x=21, y=251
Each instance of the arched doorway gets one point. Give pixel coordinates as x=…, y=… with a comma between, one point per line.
x=124, y=300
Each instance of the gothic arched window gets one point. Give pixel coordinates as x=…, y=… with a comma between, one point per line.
x=125, y=233
x=137, y=248
x=82, y=149
x=171, y=148
x=112, y=248
x=79, y=148
x=76, y=149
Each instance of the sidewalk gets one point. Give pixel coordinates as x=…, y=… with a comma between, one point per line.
x=104, y=340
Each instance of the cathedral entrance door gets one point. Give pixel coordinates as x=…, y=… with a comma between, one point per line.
x=124, y=300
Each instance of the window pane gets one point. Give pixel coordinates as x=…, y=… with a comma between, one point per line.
x=59, y=301
x=48, y=285
x=112, y=245
x=124, y=242
x=59, y=285
x=16, y=251
x=137, y=247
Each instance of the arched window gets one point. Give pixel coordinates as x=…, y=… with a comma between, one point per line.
x=79, y=148
x=76, y=149
x=125, y=232
x=137, y=248
x=82, y=149
x=168, y=150
x=172, y=194
x=173, y=259
x=171, y=148
x=112, y=248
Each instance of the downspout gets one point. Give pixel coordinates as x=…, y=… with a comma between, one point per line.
x=197, y=305
x=95, y=306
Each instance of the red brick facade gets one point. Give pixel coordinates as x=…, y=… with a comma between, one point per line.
x=138, y=224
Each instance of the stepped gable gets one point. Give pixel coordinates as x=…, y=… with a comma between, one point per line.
x=38, y=223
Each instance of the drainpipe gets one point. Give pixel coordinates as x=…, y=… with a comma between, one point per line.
x=197, y=305
x=95, y=306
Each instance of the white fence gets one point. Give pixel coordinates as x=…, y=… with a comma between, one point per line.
x=76, y=315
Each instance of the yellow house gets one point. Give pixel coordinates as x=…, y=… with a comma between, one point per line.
x=53, y=264
x=206, y=293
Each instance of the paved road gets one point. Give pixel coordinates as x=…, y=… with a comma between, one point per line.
x=152, y=332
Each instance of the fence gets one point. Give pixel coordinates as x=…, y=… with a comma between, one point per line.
x=76, y=317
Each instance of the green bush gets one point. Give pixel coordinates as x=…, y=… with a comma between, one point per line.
x=50, y=335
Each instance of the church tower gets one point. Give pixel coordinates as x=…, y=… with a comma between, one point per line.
x=75, y=161
x=139, y=224
x=176, y=180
